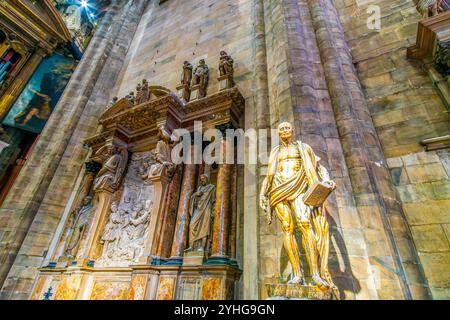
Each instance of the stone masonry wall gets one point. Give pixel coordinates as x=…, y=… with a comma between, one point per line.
x=406, y=109
x=33, y=209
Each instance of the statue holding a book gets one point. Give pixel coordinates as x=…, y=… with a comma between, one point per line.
x=295, y=188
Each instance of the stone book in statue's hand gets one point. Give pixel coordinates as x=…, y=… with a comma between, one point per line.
x=317, y=194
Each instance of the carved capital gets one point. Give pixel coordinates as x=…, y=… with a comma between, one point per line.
x=93, y=167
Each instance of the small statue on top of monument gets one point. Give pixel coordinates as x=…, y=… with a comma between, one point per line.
x=131, y=97
x=295, y=188
x=79, y=220
x=226, y=71
x=201, y=78
x=186, y=77
x=112, y=102
x=225, y=64
x=143, y=94
x=201, y=210
x=115, y=161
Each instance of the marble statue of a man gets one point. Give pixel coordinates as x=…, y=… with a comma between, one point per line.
x=201, y=209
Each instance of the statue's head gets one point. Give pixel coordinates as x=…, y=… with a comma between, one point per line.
x=144, y=82
x=87, y=200
x=202, y=62
x=114, y=150
x=223, y=53
x=138, y=207
x=204, y=179
x=115, y=99
x=285, y=131
x=114, y=206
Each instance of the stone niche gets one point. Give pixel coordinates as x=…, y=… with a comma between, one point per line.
x=126, y=232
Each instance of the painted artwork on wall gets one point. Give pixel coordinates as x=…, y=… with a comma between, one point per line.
x=36, y=102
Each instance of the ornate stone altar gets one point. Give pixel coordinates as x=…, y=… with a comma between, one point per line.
x=134, y=204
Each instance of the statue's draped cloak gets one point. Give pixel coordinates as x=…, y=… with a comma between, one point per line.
x=200, y=225
x=289, y=189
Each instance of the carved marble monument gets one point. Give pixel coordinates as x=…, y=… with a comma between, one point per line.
x=138, y=216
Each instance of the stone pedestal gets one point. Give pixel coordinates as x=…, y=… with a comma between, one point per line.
x=194, y=258
x=282, y=291
x=195, y=92
x=225, y=82
x=184, y=92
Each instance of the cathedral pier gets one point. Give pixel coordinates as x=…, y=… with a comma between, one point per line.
x=373, y=191
x=45, y=183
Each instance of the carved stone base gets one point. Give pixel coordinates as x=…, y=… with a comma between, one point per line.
x=278, y=291
x=194, y=258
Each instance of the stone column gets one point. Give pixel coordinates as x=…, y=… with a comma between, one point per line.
x=222, y=212
x=16, y=87
x=373, y=191
x=46, y=175
x=233, y=219
x=183, y=217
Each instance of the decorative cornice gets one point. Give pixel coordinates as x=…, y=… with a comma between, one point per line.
x=437, y=143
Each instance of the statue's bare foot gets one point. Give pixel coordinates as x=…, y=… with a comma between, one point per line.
x=297, y=280
x=327, y=277
x=316, y=280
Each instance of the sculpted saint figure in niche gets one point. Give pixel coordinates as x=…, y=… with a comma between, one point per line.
x=143, y=94
x=201, y=78
x=293, y=169
x=80, y=218
x=225, y=64
x=201, y=209
x=111, y=172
